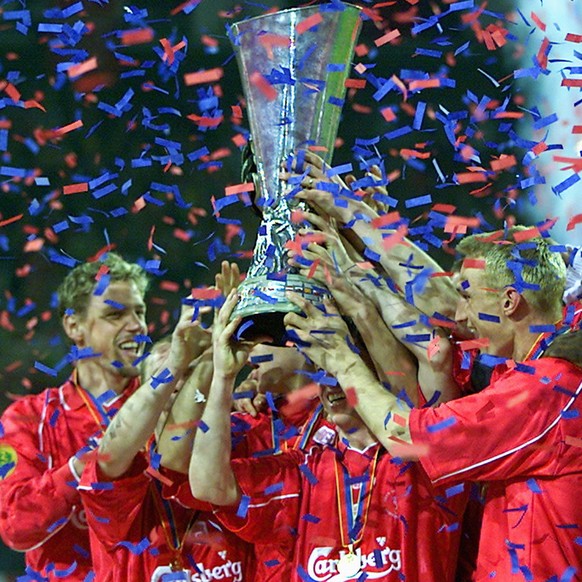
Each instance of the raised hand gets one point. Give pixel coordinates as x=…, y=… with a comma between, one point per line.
x=189, y=340
x=315, y=173
x=230, y=355
x=251, y=404
x=228, y=278
x=372, y=195
x=323, y=336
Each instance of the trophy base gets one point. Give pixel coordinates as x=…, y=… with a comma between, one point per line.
x=263, y=305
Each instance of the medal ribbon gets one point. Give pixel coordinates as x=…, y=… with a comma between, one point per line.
x=544, y=341
x=357, y=515
x=95, y=408
x=170, y=527
x=309, y=425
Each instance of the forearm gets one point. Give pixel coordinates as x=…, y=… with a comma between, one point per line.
x=430, y=346
x=393, y=362
x=177, y=437
x=384, y=414
x=132, y=426
x=438, y=295
x=211, y=475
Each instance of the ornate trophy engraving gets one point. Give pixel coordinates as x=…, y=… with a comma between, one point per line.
x=293, y=66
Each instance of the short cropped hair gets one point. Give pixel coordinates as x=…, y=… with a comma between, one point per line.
x=76, y=289
x=526, y=264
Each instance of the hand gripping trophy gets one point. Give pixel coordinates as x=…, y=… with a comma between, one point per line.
x=293, y=66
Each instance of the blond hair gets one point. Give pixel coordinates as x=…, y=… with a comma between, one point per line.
x=509, y=262
x=76, y=289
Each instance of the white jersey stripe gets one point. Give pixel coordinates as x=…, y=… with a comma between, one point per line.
x=519, y=447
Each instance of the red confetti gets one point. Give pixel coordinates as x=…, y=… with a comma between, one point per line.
x=355, y=83
x=264, y=86
x=388, y=114
x=574, y=37
x=75, y=188
x=474, y=263
x=526, y=234
x=424, y=84
x=239, y=188
x=477, y=343
x=270, y=40
x=11, y=220
x=385, y=219
x=540, y=24
x=503, y=163
x=388, y=37
x=139, y=36
x=81, y=68
x=577, y=219
x=68, y=128
x=205, y=293
x=308, y=23
x=351, y=397
x=208, y=76
x=170, y=286
x=313, y=268
x=571, y=82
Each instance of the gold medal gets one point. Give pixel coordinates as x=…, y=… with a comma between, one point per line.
x=349, y=565
x=162, y=572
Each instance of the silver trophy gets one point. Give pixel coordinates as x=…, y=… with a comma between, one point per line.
x=293, y=66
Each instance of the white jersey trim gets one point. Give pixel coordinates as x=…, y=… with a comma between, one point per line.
x=519, y=447
x=276, y=498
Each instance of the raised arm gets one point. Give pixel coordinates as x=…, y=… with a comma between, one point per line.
x=135, y=422
x=402, y=260
x=384, y=414
x=211, y=475
x=177, y=437
x=382, y=317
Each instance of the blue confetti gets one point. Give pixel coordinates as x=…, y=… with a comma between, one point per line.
x=136, y=549
x=442, y=425
x=243, y=506
x=308, y=474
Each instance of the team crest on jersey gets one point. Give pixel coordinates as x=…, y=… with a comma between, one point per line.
x=8, y=460
x=79, y=518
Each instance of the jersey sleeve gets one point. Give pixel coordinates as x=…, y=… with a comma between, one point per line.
x=35, y=498
x=510, y=429
x=113, y=506
x=176, y=486
x=271, y=496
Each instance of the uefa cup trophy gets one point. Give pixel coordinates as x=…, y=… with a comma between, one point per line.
x=293, y=66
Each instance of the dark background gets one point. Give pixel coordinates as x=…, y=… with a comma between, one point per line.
x=175, y=234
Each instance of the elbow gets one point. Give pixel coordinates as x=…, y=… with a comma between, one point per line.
x=216, y=492
x=203, y=487
x=18, y=537
x=14, y=537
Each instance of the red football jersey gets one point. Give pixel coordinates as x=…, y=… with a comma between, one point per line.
x=522, y=436
x=312, y=505
x=134, y=533
x=40, y=509
x=268, y=434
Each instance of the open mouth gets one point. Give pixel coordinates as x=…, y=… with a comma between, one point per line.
x=131, y=346
x=333, y=397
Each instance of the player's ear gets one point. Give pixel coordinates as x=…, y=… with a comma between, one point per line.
x=511, y=300
x=72, y=324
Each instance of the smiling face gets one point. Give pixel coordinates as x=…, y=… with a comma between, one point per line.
x=109, y=327
x=336, y=407
x=480, y=310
